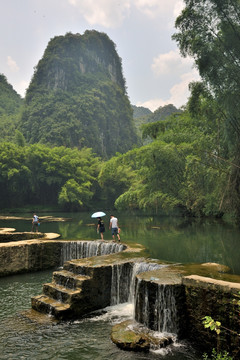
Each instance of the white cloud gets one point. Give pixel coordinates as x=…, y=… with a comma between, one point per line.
x=111, y=13
x=108, y=13
x=179, y=93
x=12, y=65
x=21, y=87
x=168, y=67
x=153, y=8
x=178, y=7
x=171, y=63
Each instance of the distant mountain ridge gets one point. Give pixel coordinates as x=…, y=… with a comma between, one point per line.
x=139, y=111
x=144, y=115
x=162, y=113
x=77, y=97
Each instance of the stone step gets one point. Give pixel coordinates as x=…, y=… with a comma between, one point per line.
x=61, y=293
x=46, y=305
x=78, y=267
x=70, y=280
x=34, y=316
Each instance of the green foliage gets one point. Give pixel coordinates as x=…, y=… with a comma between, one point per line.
x=114, y=178
x=149, y=125
x=153, y=130
x=73, y=195
x=10, y=109
x=217, y=356
x=140, y=111
x=77, y=97
x=40, y=175
x=163, y=112
x=209, y=31
x=213, y=325
x=19, y=138
x=178, y=170
x=10, y=101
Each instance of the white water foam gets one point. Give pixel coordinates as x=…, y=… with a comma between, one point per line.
x=115, y=313
x=83, y=249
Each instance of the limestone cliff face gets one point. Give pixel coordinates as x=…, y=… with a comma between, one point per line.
x=76, y=55
x=77, y=97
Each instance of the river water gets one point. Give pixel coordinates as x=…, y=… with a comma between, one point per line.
x=170, y=239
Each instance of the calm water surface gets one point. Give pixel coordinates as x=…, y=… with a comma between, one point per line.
x=165, y=238
x=169, y=239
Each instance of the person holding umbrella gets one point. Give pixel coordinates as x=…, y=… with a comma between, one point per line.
x=100, y=225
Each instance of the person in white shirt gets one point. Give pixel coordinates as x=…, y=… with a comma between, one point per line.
x=35, y=221
x=114, y=226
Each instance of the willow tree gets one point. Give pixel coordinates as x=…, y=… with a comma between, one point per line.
x=209, y=31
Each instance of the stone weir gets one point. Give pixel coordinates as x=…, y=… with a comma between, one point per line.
x=159, y=302
x=28, y=251
x=88, y=284
x=170, y=299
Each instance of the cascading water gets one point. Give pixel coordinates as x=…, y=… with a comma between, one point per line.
x=140, y=267
x=166, y=311
x=123, y=280
x=82, y=249
x=155, y=306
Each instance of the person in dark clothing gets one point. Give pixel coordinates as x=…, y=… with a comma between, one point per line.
x=101, y=227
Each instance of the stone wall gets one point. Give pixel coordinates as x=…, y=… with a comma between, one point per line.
x=18, y=236
x=160, y=307
x=218, y=299
x=46, y=253
x=189, y=299
x=29, y=255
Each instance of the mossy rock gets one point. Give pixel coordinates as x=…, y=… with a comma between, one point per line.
x=127, y=339
x=131, y=336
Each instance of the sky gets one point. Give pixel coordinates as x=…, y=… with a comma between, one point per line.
x=155, y=73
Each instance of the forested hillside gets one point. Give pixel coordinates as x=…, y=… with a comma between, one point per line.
x=10, y=101
x=179, y=170
x=10, y=107
x=77, y=97
x=162, y=113
x=140, y=111
x=143, y=116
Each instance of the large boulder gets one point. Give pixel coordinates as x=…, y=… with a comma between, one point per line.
x=129, y=335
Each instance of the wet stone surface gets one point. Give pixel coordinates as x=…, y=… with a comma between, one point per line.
x=131, y=336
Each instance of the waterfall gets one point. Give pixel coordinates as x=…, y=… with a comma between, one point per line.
x=157, y=311
x=82, y=249
x=123, y=280
x=166, y=311
x=154, y=304
x=138, y=268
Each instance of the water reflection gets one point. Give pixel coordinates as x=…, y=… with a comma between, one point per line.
x=166, y=238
